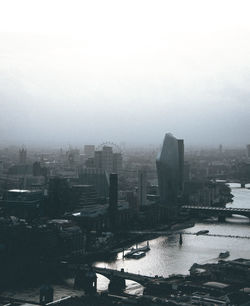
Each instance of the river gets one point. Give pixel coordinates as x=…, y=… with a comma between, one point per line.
x=167, y=257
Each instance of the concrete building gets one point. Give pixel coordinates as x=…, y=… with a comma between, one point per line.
x=170, y=171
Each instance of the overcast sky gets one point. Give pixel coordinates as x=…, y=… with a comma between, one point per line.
x=77, y=72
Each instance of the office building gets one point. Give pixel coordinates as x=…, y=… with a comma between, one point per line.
x=107, y=160
x=170, y=171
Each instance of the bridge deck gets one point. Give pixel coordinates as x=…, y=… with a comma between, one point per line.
x=125, y=275
x=229, y=209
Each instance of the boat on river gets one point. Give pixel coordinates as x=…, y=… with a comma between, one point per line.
x=224, y=254
x=138, y=255
x=143, y=249
x=202, y=232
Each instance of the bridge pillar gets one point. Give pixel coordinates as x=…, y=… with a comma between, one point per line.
x=116, y=284
x=86, y=279
x=221, y=218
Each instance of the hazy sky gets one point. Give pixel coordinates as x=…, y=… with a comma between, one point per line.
x=77, y=72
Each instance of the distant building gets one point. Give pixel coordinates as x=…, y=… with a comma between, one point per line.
x=38, y=170
x=22, y=203
x=89, y=151
x=22, y=156
x=104, y=159
x=1, y=166
x=83, y=195
x=58, y=197
x=248, y=151
x=113, y=199
x=220, y=149
x=96, y=177
x=142, y=187
x=73, y=156
x=170, y=171
x=117, y=162
x=107, y=160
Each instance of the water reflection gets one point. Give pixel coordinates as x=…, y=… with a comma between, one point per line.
x=168, y=257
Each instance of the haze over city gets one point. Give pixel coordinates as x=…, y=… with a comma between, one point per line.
x=75, y=72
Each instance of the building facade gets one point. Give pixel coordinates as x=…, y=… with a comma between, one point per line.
x=170, y=171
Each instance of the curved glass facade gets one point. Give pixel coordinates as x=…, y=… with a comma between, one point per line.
x=170, y=163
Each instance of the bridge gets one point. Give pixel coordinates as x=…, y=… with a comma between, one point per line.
x=219, y=211
x=110, y=273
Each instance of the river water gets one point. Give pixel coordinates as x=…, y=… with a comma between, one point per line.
x=167, y=257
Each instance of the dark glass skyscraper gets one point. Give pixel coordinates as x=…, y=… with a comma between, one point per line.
x=170, y=165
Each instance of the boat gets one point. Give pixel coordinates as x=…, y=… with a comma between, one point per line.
x=180, y=226
x=202, y=232
x=138, y=255
x=224, y=254
x=144, y=249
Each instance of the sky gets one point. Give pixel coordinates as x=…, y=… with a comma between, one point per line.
x=77, y=72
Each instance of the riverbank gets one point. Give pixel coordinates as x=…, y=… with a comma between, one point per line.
x=125, y=240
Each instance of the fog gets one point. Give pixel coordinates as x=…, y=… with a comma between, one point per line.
x=77, y=72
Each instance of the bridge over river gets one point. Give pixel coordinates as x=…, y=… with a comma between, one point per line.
x=218, y=211
x=110, y=273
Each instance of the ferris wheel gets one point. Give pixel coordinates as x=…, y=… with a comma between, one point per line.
x=115, y=147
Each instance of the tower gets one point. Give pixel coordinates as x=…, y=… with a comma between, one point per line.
x=170, y=171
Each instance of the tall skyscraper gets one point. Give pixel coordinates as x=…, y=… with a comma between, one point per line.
x=107, y=158
x=170, y=171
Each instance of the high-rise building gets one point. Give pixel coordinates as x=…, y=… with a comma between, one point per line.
x=117, y=162
x=142, y=187
x=107, y=158
x=96, y=177
x=108, y=161
x=170, y=171
x=248, y=151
